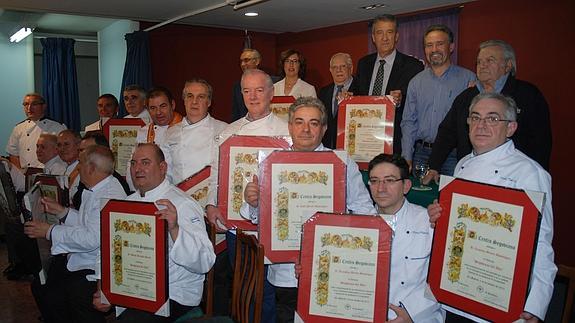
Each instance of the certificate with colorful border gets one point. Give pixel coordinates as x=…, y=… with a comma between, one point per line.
x=121, y=135
x=294, y=185
x=483, y=248
x=51, y=186
x=237, y=165
x=134, y=256
x=345, y=263
x=365, y=127
x=196, y=187
x=280, y=106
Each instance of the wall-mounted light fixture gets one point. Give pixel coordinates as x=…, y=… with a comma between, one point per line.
x=20, y=34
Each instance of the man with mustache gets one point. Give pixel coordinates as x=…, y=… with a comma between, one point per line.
x=430, y=95
x=135, y=103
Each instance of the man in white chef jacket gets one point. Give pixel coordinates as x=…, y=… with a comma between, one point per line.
x=307, y=125
x=495, y=160
x=190, y=251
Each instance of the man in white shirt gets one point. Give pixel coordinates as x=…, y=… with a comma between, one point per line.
x=69, y=151
x=76, y=242
x=389, y=183
x=47, y=153
x=307, y=125
x=107, y=105
x=135, y=102
x=190, y=251
x=22, y=143
x=190, y=144
x=21, y=148
x=495, y=160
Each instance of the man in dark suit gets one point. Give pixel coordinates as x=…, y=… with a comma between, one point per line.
x=341, y=69
x=387, y=71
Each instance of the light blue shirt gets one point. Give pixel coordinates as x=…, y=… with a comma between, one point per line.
x=498, y=84
x=345, y=88
x=429, y=98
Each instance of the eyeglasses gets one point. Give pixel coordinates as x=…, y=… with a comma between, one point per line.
x=291, y=61
x=247, y=60
x=489, y=120
x=386, y=181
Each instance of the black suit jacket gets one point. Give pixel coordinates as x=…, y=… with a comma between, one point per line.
x=325, y=95
x=532, y=137
x=403, y=70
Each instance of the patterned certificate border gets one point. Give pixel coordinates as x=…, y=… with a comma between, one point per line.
x=121, y=135
x=231, y=183
x=365, y=112
x=328, y=240
x=112, y=245
x=305, y=162
x=473, y=213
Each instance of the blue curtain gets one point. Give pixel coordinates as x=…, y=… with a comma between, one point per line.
x=60, y=85
x=412, y=28
x=137, y=69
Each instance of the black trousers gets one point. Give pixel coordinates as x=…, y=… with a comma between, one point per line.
x=137, y=316
x=286, y=304
x=22, y=251
x=66, y=296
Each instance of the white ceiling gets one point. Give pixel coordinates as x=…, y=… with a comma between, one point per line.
x=275, y=16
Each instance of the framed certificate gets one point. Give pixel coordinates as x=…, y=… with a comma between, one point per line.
x=345, y=264
x=365, y=127
x=237, y=165
x=134, y=256
x=196, y=187
x=9, y=206
x=52, y=186
x=280, y=106
x=121, y=135
x=483, y=248
x=294, y=186
x=29, y=176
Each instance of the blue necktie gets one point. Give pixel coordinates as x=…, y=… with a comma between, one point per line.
x=335, y=103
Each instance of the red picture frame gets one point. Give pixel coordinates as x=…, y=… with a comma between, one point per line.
x=127, y=122
x=252, y=145
x=347, y=108
x=138, y=209
x=309, y=254
x=193, y=188
x=49, y=183
x=449, y=244
x=307, y=160
x=280, y=105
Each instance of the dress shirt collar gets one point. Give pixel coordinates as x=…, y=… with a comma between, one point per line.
x=71, y=167
x=499, y=84
x=389, y=59
x=264, y=119
x=445, y=74
x=101, y=184
x=51, y=162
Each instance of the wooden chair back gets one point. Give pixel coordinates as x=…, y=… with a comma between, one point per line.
x=248, y=280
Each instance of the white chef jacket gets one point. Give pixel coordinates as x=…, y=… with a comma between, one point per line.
x=142, y=137
x=192, y=254
x=144, y=115
x=410, y=252
x=22, y=142
x=507, y=166
x=189, y=147
x=270, y=125
x=358, y=201
x=79, y=235
x=300, y=88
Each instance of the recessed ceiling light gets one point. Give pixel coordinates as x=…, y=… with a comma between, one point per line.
x=373, y=6
x=251, y=14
